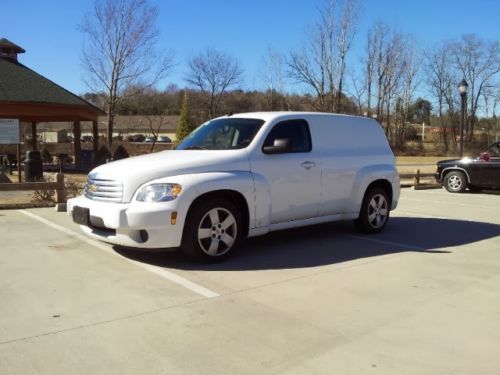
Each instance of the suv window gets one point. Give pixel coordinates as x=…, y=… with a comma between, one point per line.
x=297, y=131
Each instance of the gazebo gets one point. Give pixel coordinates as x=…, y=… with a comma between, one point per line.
x=32, y=98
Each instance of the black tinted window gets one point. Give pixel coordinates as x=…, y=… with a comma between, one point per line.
x=296, y=131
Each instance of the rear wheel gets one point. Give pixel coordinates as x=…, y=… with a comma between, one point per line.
x=455, y=182
x=374, y=212
x=212, y=230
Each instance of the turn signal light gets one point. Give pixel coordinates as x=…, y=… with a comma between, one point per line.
x=173, y=218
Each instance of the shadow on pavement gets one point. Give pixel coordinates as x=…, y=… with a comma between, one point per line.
x=332, y=243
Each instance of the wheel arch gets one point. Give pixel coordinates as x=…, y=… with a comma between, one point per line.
x=454, y=169
x=233, y=196
x=383, y=184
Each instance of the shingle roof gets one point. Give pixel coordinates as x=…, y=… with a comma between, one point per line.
x=7, y=43
x=21, y=84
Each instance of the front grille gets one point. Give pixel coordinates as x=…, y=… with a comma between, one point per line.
x=103, y=189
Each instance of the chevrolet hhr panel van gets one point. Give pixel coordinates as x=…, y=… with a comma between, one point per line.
x=240, y=176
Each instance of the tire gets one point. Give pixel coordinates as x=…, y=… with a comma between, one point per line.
x=212, y=231
x=455, y=182
x=374, y=213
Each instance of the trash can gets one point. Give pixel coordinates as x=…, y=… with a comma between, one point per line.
x=33, y=166
x=87, y=159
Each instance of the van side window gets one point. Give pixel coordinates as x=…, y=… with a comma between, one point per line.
x=296, y=131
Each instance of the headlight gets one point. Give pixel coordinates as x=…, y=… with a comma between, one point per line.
x=159, y=193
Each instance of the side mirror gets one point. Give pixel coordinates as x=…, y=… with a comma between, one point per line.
x=280, y=146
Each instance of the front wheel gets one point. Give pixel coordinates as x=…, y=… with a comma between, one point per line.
x=374, y=212
x=455, y=182
x=212, y=230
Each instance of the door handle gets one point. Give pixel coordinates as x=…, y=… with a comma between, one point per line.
x=308, y=164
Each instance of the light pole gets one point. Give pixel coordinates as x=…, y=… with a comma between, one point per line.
x=462, y=87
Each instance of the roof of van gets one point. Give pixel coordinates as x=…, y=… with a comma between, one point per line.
x=266, y=116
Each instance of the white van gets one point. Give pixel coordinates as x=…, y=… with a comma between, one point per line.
x=240, y=176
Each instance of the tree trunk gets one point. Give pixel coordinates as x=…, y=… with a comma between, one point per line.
x=109, y=129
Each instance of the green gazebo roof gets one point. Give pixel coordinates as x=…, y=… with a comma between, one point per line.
x=21, y=84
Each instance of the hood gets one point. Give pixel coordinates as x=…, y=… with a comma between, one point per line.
x=135, y=171
x=448, y=161
x=464, y=160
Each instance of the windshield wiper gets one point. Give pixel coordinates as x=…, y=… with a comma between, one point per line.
x=195, y=147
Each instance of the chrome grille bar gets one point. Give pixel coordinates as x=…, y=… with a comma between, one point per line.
x=103, y=189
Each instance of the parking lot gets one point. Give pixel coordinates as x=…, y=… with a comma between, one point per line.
x=420, y=298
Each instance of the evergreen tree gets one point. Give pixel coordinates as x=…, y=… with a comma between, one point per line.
x=185, y=125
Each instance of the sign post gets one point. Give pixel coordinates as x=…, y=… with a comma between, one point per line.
x=10, y=134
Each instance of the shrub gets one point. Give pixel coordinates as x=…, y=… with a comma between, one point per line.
x=103, y=155
x=120, y=153
x=73, y=188
x=44, y=195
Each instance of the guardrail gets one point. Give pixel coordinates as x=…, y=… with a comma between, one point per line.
x=416, y=176
x=58, y=186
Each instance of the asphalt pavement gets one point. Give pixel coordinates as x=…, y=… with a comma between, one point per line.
x=420, y=298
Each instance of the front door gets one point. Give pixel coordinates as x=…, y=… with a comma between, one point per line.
x=294, y=174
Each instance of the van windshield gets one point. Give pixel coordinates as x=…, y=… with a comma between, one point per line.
x=222, y=134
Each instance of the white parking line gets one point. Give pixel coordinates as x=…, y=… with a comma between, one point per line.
x=153, y=269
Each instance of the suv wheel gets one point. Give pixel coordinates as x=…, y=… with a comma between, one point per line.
x=455, y=182
x=212, y=230
x=374, y=212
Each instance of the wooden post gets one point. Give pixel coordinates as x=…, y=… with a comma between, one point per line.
x=77, y=147
x=19, y=156
x=416, y=180
x=34, y=138
x=95, y=138
x=60, y=191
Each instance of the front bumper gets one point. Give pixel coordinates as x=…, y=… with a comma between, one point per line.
x=124, y=223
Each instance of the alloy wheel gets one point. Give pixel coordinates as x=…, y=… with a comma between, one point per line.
x=217, y=231
x=377, y=211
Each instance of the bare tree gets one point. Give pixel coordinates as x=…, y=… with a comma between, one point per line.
x=410, y=67
x=155, y=123
x=272, y=77
x=479, y=62
x=314, y=64
x=441, y=83
x=358, y=93
x=213, y=72
x=391, y=65
x=491, y=99
x=369, y=67
x=345, y=33
x=119, y=51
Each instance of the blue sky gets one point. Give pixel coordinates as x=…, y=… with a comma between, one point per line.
x=244, y=29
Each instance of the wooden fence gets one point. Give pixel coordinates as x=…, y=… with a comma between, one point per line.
x=416, y=176
x=58, y=186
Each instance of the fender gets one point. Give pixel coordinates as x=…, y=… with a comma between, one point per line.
x=366, y=175
x=252, y=187
x=454, y=168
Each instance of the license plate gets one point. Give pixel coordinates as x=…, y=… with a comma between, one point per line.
x=81, y=215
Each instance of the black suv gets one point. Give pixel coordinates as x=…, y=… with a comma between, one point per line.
x=478, y=173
